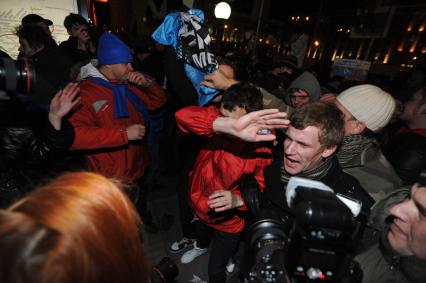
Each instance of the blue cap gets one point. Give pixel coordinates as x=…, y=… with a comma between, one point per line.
x=111, y=50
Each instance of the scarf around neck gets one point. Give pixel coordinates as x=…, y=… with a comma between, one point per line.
x=122, y=93
x=352, y=146
x=316, y=173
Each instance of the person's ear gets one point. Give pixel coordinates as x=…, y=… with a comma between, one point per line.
x=328, y=151
x=356, y=127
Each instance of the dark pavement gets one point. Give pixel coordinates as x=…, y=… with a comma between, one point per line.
x=163, y=200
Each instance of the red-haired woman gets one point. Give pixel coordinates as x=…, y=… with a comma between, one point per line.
x=79, y=228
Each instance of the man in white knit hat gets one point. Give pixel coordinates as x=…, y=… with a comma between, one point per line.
x=367, y=109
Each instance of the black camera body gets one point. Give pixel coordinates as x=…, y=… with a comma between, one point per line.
x=319, y=246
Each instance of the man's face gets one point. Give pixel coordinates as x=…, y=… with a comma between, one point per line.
x=25, y=49
x=120, y=72
x=80, y=32
x=407, y=235
x=299, y=97
x=349, y=119
x=411, y=108
x=302, y=150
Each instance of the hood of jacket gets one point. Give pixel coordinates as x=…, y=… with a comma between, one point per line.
x=90, y=70
x=309, y=83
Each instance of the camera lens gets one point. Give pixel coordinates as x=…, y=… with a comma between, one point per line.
x=17, y=75
x=266, y=236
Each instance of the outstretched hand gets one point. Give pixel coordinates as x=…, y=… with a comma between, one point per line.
x=249, y=127
x=64, y=100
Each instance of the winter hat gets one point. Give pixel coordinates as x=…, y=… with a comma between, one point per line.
x=111, y=50
x=368, y=104
x=309, y=83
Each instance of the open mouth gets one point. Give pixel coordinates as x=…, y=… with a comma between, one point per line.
x=290, y=162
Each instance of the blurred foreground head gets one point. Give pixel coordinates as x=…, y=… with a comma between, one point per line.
x=79, y=228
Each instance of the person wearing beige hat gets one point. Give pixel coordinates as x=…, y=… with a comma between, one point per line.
x=367, y=109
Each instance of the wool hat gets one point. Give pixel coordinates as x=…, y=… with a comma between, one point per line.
x=369, y=104
x=111, y=50
x=309, y=83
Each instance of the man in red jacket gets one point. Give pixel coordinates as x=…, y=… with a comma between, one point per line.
x=112, y=120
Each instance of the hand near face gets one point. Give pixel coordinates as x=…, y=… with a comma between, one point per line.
x=139, y=79
x=218, y=80
x=135, y=132
x=249, y=126
x=223, y=200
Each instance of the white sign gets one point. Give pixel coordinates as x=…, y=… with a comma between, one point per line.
x=12, y=11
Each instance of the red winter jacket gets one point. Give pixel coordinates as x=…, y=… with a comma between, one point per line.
x=105, y=138
x=221, y=163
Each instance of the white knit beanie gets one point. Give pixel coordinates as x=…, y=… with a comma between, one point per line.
x=368, y=104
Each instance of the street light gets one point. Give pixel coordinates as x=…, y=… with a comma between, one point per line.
x=222, y=10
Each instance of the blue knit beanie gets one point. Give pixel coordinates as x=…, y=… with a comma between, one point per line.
x=111, y=50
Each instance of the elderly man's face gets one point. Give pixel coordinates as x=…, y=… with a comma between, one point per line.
x=303, y=150
x=407, y=235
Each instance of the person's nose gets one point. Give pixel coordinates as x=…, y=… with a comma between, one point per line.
x=289, y=147
x=130, y=67
x=400, y=210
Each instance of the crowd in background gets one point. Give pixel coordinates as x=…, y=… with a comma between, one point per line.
x=125, y=109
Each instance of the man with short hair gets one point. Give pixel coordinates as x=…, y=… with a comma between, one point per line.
x=79, y=47
x=312, y=138
x=111, y=122
x=396, y=249
x=367, y=109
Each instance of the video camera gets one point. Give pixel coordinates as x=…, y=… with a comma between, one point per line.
x=21, y=78
x=319, y=245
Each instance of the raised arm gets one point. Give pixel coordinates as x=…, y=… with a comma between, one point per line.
x=248, y=126
x=64, y=100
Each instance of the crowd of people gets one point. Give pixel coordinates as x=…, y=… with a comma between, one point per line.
x=81, y=154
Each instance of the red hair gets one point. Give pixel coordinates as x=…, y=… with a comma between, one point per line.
x=98, y=230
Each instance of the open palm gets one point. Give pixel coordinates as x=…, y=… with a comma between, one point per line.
x=64, y=100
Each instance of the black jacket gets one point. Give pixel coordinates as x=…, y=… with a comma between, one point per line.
x=273, y=195
x=26, y=158
x=407, y=154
